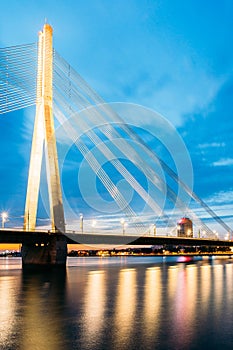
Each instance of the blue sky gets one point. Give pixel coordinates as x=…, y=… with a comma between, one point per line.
x=174, y=57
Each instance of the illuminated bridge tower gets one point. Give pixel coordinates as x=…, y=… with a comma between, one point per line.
x=54, y=252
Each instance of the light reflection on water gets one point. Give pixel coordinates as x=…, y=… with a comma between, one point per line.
x=94, y=306
x=39, y=316
x=124, y=313
x=7, y=306
x=151, y=304
x=118, y=303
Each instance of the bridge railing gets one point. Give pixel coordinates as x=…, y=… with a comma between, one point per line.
x=113, y=233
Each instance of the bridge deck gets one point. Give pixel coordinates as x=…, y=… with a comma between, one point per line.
x=14, y=236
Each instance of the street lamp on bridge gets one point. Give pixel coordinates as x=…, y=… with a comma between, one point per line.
x=81, y=222
x=4, y=216
x=154, y=229
x=93, y=225
x=124, y=224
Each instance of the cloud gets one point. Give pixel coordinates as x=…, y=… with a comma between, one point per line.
x=212, y=145
x=208, y=137
x=220, y=197
x=223, y=162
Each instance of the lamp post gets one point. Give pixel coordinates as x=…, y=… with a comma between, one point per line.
x=4, y=218
x=154, y=229
x=81, y=222
x=227, y=238
x=93, y=225
x=123, y=225
x=215, y=234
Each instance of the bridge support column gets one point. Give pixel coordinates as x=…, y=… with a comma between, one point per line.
x=44, y=134
x=50, y=254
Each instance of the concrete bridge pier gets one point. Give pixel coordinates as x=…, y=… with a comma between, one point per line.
x=52, y=253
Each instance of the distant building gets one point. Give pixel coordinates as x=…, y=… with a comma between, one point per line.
x=185, y=228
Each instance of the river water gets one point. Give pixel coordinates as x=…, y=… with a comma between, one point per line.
x=118, y=303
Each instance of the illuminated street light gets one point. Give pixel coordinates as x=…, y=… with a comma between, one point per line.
x=4, y=216
x=227, y=237
x=152, y=230
x=81, y=222
x=215, y=234
x=123, y=223
x=93, y=224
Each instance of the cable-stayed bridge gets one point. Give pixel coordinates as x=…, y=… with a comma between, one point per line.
x=35, y=74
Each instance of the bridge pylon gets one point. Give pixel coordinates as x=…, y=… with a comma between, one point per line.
x=44, y=134
x=44, y=138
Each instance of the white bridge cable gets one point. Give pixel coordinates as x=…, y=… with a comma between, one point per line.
x=121, y=168
x=172, y=195
x=97, y=100
x=15, y=89
x=175, y=177
x=99, y=171
x=155, y=178
x=18, y=72
x=108, y=154
x=95, y=116
x=68, y=71
x=124, y=146
x=171, y=173
x=86, y=152
x=124, y=172
x=136, y=186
